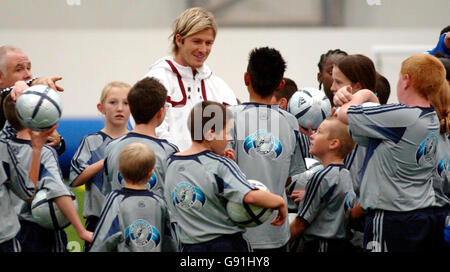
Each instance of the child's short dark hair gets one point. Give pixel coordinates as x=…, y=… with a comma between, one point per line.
x=145, y=99
x=9, y=108
x=444, y=30
x=288, y=90
x=207, y=115
x=382, y=89
x=136, y=160
x=266, y=68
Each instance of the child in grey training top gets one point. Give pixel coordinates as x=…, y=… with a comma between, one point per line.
x=32, y=236
x=199, y=182
x=86, y=166
x=323, y=217
x=133, y=218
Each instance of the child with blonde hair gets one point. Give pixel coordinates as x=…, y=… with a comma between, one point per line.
x=135, y=219
x=324, y=213
x=87, y=162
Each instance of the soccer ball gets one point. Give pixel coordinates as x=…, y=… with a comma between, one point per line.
x=361, y=140
x=248, y=215
x=39, y=107
x=309, y=106
x=46, y=213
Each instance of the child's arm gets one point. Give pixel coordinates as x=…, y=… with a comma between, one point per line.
x=344, y=98
x=87, y=173
x=268, y=200
x=38, y=140
x=65, y=203
x=297, y=227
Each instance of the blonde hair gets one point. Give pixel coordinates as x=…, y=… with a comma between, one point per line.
x=191, y=21
x=109, y=86
x=136, y=160
x=441, y=103
x=426, y=72
x=339, y=130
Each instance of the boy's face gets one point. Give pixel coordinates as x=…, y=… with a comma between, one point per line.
x=115, y=107
x=221, y=138
x=319, y=140
x=194, y=50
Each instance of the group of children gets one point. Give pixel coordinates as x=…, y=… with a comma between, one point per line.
x=385, y=168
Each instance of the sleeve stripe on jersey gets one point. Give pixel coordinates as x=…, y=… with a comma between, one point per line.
x=376, y=110
x=22, y=182
x=235, y=171
x=107, y=206
x=348, y=161
x=75, y=165
x=314, y=181
x=55, y=157
x=312, y=188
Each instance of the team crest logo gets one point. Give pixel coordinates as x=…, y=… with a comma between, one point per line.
x=443, y=166
x=263, y=142
x=350, y=201
x=427, y=149
x=187, y=196
x=119, y=177
x=142, y=234
x=152, y=181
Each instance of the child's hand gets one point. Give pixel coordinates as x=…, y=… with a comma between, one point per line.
x=297, y=196
x=343, y=96
x=39, y=138
x=308, y=132
x=86, y=235
x=281, y=216
x=54, y=139
x=229, y=153
x=18, y=89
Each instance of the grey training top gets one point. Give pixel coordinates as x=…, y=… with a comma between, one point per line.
x=400, y=157
x=90, y=151
x=265, y=140
x=197, y=190
x=134, y=221
x=326, y=206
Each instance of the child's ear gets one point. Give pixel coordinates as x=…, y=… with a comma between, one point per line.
x=283, y=103
x=281, y=85
x=161, y=112
x=246, y=79
x=334, y=144
x=209, y=135
x=100, y=108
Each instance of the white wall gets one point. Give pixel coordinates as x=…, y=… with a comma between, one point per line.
x=410, y=14
x=88, y=59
